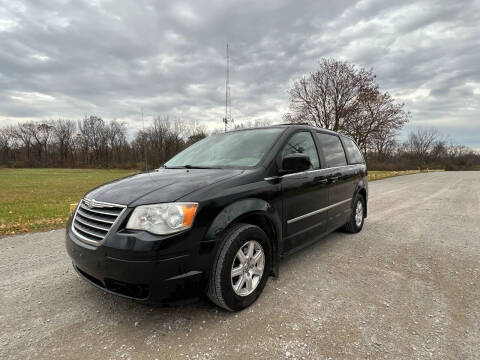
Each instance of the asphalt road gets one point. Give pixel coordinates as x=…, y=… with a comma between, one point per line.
x=406, y=287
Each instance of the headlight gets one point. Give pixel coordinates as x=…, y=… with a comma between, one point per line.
x=163, y=219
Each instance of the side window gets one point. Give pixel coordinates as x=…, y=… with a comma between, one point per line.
x=302, y=142
x=354, y=154
x=332, y=150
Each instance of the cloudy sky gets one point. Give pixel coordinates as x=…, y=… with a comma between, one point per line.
x=67, y=59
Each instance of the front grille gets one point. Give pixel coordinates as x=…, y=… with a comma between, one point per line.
x=93, y=219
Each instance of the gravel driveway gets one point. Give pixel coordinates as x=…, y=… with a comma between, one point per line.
x=406, y=287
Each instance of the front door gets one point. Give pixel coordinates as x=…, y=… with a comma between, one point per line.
x=305, y=194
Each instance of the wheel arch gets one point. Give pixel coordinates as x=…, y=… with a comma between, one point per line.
x=253, y=211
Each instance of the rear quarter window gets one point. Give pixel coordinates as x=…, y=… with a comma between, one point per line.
x=354, y=154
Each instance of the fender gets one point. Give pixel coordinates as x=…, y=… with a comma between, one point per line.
x=241, y=209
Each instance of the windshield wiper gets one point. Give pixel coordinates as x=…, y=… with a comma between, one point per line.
x=188, y=166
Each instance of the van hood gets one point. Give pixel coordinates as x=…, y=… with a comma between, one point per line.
x=164, y=185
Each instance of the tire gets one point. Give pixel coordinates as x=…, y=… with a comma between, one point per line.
x=241, y=237
x=354, y=225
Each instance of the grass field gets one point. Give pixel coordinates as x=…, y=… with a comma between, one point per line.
x=378, y=175
x=39, y=199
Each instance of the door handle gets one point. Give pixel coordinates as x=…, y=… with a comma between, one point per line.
x=320, y=180
x=333, y=179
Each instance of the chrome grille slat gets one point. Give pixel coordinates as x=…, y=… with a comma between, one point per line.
x=89, y=223
x=88, y=231
x=85, y=215
x=103, y=211
x=94, y=220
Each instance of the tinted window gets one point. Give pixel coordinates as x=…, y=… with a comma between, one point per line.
x=302, y=142
x=354, y=155
x=332, y=150
x=236, y=148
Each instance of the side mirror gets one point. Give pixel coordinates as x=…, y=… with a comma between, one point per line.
x=293, y=163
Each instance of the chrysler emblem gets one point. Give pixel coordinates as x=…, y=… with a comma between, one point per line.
x=90, y=203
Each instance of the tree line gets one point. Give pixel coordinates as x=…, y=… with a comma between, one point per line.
x=424, y=148
x=338, y=96
x=94, y=143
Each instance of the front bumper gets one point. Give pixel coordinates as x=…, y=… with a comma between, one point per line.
x=140, y=266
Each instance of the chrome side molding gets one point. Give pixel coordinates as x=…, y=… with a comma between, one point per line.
x=301, y=217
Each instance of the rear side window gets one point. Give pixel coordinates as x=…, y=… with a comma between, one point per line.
x=302, y=142
x=332, y=150
x=354, y=154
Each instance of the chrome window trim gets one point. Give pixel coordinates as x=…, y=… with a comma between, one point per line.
x=93, y=242
x=301, y=217
x=309, y=171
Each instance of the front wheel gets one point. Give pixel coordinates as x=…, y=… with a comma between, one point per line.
x=355, y=224
x=241, y=268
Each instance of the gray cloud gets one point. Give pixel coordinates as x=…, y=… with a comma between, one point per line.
x=71, y=58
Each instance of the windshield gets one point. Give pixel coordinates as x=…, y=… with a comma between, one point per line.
x=237, y=148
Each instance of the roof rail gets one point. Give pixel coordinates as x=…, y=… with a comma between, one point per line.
x=299, y=123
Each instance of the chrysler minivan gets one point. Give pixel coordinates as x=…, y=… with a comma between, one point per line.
x=219, y=216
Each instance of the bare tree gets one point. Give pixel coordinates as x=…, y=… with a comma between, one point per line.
x=196, y=133
x=329, y=97
x=92, y=136
x=116, y=134
x=23, y=133
x=384, y=143
x=377, y=115
x=41, y=134
x=165, y=138
x=421, y=141
x=253, y=124
x=6, y=145
x=63, y=133
x=341, y=97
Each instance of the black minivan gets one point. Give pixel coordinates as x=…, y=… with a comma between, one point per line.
x=218, y=217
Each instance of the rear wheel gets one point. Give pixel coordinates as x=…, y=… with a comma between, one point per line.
x=241, y=267
x=355, y=224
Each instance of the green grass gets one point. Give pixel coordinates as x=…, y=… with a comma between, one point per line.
x=39, y=199
x=378, y=175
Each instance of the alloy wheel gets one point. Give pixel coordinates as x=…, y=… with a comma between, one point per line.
x=247, y=268
x=359, y=214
